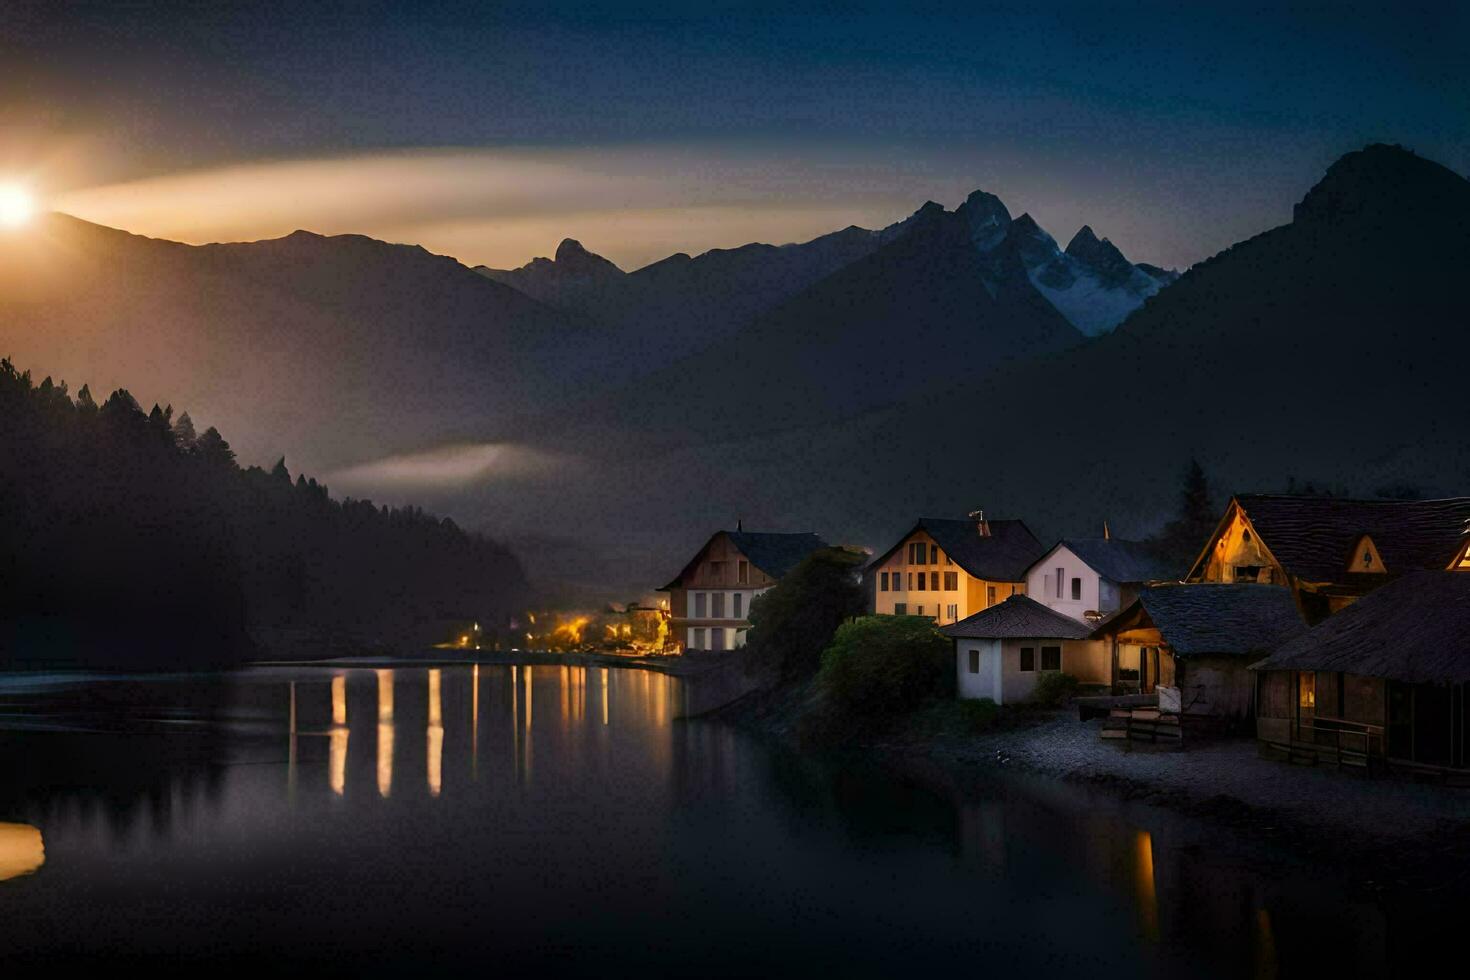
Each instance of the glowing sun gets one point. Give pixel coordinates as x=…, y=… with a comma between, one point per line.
x=17, y=206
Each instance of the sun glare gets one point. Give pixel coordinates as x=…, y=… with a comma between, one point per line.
x=17, y=206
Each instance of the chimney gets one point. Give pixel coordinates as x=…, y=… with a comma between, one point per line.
x=739, y=525
x=1107, y=535
x=982, y=526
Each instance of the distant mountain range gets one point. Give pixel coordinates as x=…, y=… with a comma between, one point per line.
x=955, y=360
x=681, y=304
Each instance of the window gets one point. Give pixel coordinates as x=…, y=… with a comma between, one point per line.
x=990, y=595
x=717, y=639
x=954, y=612
x=742, y=573
x=900, y=609
x=951, y=581
x=739, y=611
x=934, y=581
x=883, y=582
x=1306, y=689
x=1051, y=658
x=700, y=610
x=974, y=661
x=698, y=642
x=717, y=606
x=1028, y=658
x=918, y=610
x=920, y=578
x=1060, y=572
x=717, y=571
x=1076, y=589
x=934, y=554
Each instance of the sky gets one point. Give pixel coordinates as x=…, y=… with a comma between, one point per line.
x=492, y=131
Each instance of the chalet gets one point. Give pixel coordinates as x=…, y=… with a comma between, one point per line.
x=1090, y=578
x=1331, y=551
x=1001, y=652
x=1384, y=682
x=710, y=599
x=949, y=570
x=1197, y=641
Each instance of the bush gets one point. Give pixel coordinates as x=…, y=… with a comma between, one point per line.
x=1054, y=689
x=881, y=666
x=792, y=623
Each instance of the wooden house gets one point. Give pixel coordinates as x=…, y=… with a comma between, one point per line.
x=1001, y=652
x=1091, y=578
x=1331, y=551
x=709, y=600
x=1197, y=641
x=949, y=570
x=1385, y=681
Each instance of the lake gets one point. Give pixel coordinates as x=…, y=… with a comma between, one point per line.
x=565, y=820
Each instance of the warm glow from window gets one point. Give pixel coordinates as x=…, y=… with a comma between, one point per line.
x=17, y=206
x=1306, y=687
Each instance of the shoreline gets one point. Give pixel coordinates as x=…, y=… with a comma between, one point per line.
x=1379, y=835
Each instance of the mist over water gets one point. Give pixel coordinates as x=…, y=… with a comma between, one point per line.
x=568, y=819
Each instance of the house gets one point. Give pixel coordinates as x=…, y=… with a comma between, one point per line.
x=1385, y=681
x=710, y=599
x=1197, y=641
x=949, y=570
x=1090, y=578
x=1001, y=652
x=1331, y=551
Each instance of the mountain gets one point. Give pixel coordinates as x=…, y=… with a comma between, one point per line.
x=680, y=304
x=1329, y=349
x=333, y=349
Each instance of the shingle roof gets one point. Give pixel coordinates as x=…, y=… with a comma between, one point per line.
x=1218, y=617
x=1003, y=555
x=772, y=552
x=1018, y=617
x=1313, y=537
x=1415, y=629
x=775, y=554
x=1123, y=561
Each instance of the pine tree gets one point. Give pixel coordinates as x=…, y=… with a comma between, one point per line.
x=85, y=403
x=184, y=435
x=212, y=448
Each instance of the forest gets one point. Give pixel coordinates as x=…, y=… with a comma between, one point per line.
x=129, y=539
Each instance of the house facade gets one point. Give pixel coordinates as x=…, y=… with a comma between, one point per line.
x=949, y=570
x=709, y=600
x=1091, y=578
x=1331, y=551
x=1003, y=651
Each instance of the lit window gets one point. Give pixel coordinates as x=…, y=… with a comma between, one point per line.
x=990, y=595
x=1306, y=689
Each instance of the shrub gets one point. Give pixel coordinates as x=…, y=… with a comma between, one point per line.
x=979, y=714
x=1054, y=689
x=792, y=623
x=881, y=666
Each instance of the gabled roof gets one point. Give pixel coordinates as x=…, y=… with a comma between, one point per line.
x=1313, y=537
x=1123, y=562
x=1415, y=629
x=1003, y=555
x=774, y=553
x=1215, y=617
x=1019, y=617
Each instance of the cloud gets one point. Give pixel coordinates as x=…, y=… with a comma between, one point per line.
x=448, y=468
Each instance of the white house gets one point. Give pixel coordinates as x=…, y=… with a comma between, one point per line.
x=1098, y=576
x=1002, y=652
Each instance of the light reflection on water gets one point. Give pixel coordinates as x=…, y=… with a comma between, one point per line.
x=484, y=812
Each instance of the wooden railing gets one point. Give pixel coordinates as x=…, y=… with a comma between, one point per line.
x=1340, y=737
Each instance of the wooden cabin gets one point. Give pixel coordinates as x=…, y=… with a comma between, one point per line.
x=1331, y=551
x=1001, y=652
x=1192, y=644
x=1383, y=683
x=709, y=600
x=949, y=570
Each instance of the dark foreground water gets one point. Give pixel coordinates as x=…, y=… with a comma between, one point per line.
x=560, y=820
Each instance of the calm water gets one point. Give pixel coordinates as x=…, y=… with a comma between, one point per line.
x=565, y=820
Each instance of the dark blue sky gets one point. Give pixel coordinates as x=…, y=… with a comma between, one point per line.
x=1234, y=110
